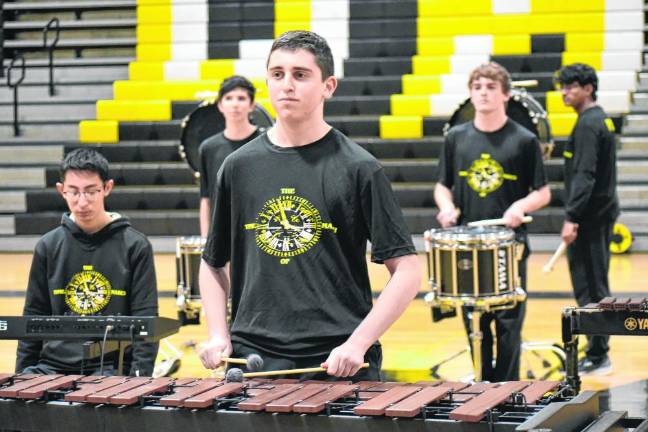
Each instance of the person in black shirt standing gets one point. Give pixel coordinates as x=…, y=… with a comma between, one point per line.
x=294, y=210
x=95, y=263
x=591, y=202
x=492, y=168
x=236, y=102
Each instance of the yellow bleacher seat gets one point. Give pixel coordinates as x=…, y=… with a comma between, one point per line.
x=436, y=65
x=410, y=105
x=401, y=127
x=98, y=131
x=421, y=84
x=562, y=123
x=153, y=52
x=145, y=71
x=217, y=69
x=138, y=110
x=170, y=90
x=293, y=11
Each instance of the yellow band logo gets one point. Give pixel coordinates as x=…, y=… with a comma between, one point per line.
x=88, y=292
x=288, y=225
x=486, y=175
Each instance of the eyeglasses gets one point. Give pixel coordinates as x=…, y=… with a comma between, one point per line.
x=89, y=195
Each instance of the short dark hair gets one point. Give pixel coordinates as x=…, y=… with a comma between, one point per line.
x=578, y=72
x=309, y=41
x=85, y=159
x=234, y=82
x=494, y=71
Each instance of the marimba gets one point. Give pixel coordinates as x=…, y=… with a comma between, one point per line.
x=622, y=316
x=90, y=403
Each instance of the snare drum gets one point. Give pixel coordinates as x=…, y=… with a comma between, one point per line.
x=188, y=254
x=472, y=262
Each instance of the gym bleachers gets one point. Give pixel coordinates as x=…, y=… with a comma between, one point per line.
x=402, y=69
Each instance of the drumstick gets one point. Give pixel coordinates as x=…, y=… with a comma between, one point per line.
x=290, y=371
x=490, y=222
x=552, y=261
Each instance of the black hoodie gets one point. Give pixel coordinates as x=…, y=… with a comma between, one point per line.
x=110, y=272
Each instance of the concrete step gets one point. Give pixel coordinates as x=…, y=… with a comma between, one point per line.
x=13, y=201
x=88, y=62
x=31, y=154
x=51, y=111
x=636, y=122
x=75, y=74
x=22, y=178
x=67, y=131
x=27, y=93
x=80, y=33
x=633, y=143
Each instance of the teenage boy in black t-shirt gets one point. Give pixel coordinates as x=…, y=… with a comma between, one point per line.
x=492, y=168
x=95, y=263
x=235, y=102
x=293, y=213
x=591, y=203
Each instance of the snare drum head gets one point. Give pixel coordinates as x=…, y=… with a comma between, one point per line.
x=205, y=121
x=522, y=108
x=471, y=237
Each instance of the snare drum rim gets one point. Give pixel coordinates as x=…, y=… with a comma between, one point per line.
x=450, y=239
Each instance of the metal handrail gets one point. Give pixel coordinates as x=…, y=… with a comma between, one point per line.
x=14, y=86
x=53, y=22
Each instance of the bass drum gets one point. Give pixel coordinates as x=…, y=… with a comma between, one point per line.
x=205, y=121
x=522, y=108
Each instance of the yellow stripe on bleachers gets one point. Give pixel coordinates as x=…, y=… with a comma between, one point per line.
x=154, y=14
x=98, y=131
x=562, y=123
x=421, y=85
x=435, y=65
x=512, y=44
x=170, y=90
x=574, y=6
x=292, y=15
x=217, y=69
x=594, y=59
x=129, y=110
x=511, y=24
x=584, y=42
x=409, y=105
x=440, y=8
x=401, y=126
x=145, y=71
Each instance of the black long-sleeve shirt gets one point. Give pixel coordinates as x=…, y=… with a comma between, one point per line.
x=110, y=272
x=590, y=169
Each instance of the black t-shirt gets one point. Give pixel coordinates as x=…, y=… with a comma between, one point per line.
x=295, y=223
x=590, y=169
x=489, y=171
x=213, y=152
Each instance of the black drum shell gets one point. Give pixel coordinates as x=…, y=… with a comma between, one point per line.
x=206, y=121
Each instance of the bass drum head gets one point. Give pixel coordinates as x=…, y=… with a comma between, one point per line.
x=522, y=108
x=206, y=121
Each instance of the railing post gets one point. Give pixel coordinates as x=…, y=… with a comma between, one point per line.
x=53, y=22
x=14, y=86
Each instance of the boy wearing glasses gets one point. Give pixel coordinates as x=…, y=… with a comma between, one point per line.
x=95, y=263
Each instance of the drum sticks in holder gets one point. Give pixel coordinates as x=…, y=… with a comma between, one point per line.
x=552, y=261
x=493, y=222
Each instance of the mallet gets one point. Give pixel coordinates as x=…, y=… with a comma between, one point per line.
x=253, y=362
x=237, y=375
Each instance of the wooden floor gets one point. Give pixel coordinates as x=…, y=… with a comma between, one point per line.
x=414, y=343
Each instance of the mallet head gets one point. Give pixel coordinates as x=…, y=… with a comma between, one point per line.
x=254, y=362
x=234, y=375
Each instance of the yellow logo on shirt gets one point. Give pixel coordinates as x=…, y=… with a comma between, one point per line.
x=288, y=225
x=88, y=291
x=486, y=175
